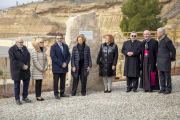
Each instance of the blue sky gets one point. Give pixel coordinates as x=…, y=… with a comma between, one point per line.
x=10, y=3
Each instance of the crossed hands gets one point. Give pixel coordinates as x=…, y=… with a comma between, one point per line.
x=25, y=67
x=129, y=54
x=44, y=70
x=64, y=65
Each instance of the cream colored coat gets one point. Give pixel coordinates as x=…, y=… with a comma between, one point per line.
x=39, y=62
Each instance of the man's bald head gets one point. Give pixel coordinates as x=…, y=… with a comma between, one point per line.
x=147, y=31
x=147, y=34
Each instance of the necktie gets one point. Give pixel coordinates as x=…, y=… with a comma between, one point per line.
x=61, y=48
x=21, y=49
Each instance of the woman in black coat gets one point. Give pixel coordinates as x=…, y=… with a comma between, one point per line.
x=107, y=60
x=80, y=63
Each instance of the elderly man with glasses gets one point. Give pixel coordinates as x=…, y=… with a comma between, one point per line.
x=166, y=54
x=132, y=50
x=60, y=56
x=149, y=78
x=20, y=63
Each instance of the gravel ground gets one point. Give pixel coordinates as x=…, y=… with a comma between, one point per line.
x=98, y=105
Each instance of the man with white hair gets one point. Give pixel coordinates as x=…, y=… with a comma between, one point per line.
x=149, y=78
x=166, y=54
x=20, y=63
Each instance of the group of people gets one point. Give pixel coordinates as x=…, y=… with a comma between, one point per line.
x=148, y=56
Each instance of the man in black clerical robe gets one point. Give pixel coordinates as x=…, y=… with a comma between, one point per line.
x=132, y=50
x=149, y=78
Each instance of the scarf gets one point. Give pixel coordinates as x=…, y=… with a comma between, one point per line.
x=159, y=39
x=41, y=48
x=146, y=43
x=81, y=51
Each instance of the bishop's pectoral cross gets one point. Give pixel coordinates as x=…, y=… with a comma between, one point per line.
x=146, y=54
x=146, y=51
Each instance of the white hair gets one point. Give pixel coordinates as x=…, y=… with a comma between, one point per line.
x=162, y=30
x=148, y=31
x=17, y=39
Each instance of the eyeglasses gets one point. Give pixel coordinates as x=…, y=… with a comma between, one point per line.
x=20, y=42
x=41, y=42
x=133, y=35
x=59, y=38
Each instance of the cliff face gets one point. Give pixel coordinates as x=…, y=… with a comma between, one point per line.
x=171, y=11
x=48, y=18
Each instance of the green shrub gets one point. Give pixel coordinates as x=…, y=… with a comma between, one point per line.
x=140, y=15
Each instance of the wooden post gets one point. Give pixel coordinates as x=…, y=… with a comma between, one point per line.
x=174, y=35
x=49, y=77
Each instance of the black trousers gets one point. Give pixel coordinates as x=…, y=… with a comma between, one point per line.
x=62, y=77
x=83, y=80
x=38, y=87
x=165, y=77
x=130, y=81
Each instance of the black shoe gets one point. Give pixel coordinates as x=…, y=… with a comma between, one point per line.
x=106, y=91
x=26, y=100
x=83, y=94
x=72, y=95
x=18, y=102
x=109, y=91
x=151, y=91
x=166, y=92
x=135, y=90
x=57, y=97
x=128, y=90
x=161, y=91
x=146, y=90
x=40, y=99
x=64, y=95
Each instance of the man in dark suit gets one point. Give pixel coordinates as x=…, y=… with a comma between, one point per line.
x=166, y=54
x=60, y=56
x=132, y=50
x=20, y=69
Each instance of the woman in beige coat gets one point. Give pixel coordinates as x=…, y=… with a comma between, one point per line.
x=39, y=65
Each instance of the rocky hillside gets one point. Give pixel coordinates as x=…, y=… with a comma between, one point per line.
x=49, y=17
x=171, y=11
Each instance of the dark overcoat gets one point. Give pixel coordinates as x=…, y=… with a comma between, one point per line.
x=166, y=54
x=17, y=60
x=75, y=60
x=153, y=50
x=132, y=63
x=107, y=57
x=58, y=58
